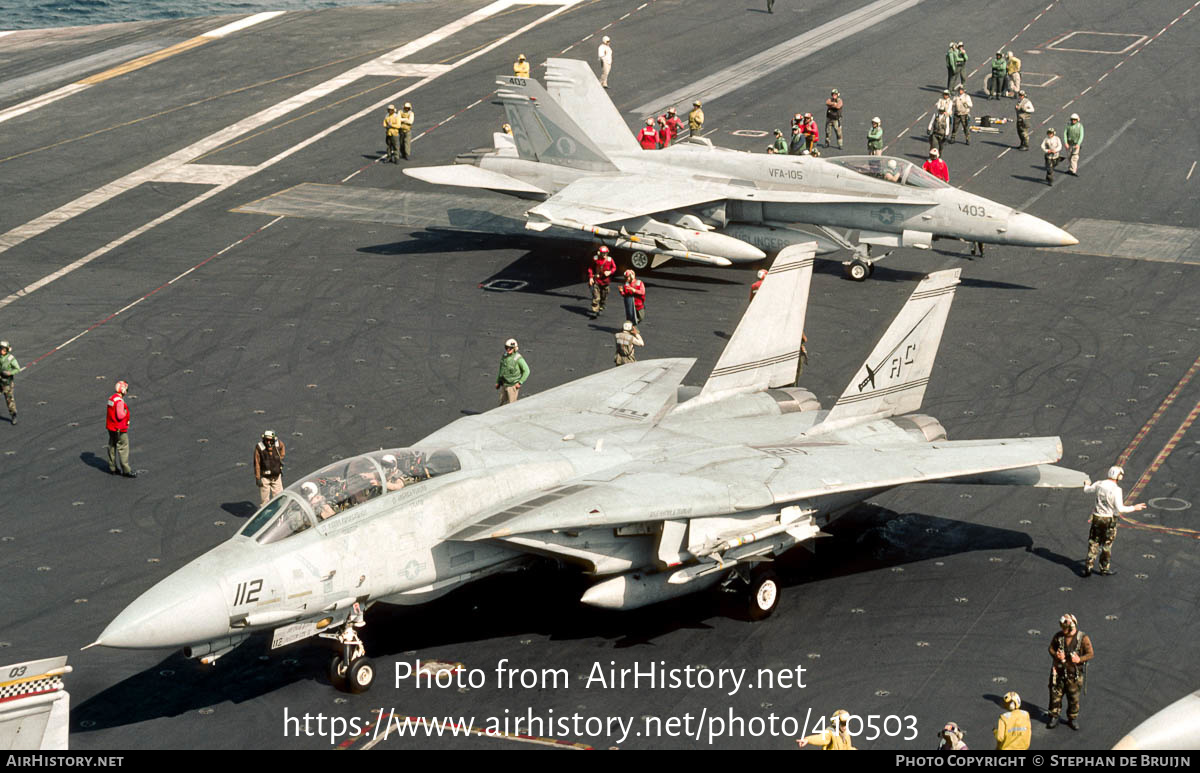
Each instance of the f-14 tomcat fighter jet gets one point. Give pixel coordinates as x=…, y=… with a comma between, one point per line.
x=654, y=489
x=691, y=201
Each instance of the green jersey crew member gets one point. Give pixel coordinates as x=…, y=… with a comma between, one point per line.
x=8, y=369
x=513, y=373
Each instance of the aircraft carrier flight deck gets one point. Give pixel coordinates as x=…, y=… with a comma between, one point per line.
x=199, y=208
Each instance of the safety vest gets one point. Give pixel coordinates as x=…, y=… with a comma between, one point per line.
x=1014, y=731
x=648, y=138
x=269, y=462
x=118, y=414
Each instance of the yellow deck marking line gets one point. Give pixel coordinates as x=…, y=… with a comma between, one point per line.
x=145, y=61
x=167, y=164
x=134, y=64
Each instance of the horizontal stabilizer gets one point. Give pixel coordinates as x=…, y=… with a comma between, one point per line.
x=467, y=176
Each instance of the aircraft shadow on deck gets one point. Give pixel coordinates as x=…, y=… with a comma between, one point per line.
x=542, y=600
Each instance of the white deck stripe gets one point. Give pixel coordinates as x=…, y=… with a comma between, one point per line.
x=75, y=88
x=171, y=163
x=241, y=24
x=42, y=100
x=777, y=57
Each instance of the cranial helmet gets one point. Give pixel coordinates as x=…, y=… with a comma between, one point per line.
x=603, y=249
x=1012, y=700
x=1116, y=472
x=627, y=326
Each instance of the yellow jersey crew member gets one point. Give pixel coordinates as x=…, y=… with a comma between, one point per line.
x=268, y=467
x=1013, y=730
x=696, y=118
x=391, y=126
x=521, y=67
x=406, y=123
x=836, y=737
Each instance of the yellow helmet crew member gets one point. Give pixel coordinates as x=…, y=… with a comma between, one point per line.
x=696, y=118
x=1013, y=731
x=836, y=737
x=521, y=67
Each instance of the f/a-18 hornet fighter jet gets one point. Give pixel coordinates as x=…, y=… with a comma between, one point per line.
x=654, y=489
x=571, y=150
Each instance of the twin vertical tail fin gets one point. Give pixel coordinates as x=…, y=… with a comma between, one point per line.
x=765, y=349
x=542, y=129
x=893, y=379
x=577, y=90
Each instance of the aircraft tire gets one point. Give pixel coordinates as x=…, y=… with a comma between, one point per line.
x=360, y=675
x=858, y=270
x=762, y=594
x=337, y=672
x=640, y=260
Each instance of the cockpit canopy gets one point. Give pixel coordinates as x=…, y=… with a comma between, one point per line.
x=890, y=169
x=343, y=485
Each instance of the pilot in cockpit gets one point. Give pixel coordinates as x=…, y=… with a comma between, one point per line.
x=892, y=172
x=319, y=504
x=393, y=478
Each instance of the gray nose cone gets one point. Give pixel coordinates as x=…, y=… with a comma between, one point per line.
x=186, y=608
x=1029, y=231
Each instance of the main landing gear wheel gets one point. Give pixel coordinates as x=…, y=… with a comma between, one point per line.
x=859, y=270
x=640, y=260
x=762, y=594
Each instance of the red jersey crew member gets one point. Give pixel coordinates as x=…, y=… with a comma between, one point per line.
x=117, y=423
x=936, y=166
x=268, y=467
x=648, y=136
x=600, y=275
x=634, y=292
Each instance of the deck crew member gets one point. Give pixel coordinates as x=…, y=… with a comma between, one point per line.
x=875, y=138
x=604, y=54
x=836, y=737
x=391, y=125
x=1070, y=650
x=117, y=424
x=513, y=373
x=1073, y=136
x=600, y=275
x=627, y=338
x=696, y=118
x=1024, y=110
x=1013, y=729
x=8, y=369
x=407, y=118
x=268, y=467
x=833, y=117
x=1110, y=501
x=521, y=67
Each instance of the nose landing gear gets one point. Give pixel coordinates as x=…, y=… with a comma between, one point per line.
x=350, y=670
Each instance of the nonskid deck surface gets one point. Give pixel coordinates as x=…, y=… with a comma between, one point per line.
x=143, y=239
